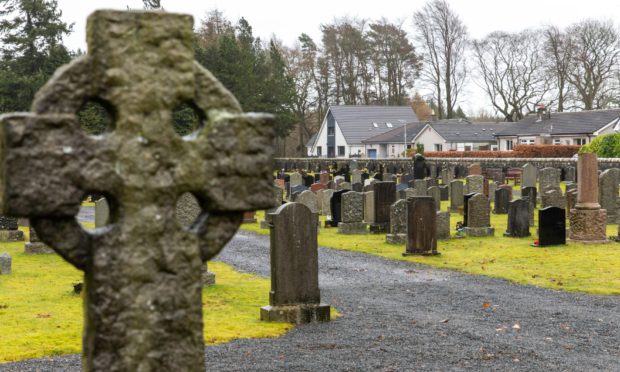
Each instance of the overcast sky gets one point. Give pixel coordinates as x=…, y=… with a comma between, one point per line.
x=287, y=19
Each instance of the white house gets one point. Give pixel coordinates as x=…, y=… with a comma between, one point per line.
x=457, y=135
x=558, y=128
x=344, y=129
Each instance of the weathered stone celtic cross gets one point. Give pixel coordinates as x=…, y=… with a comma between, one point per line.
x=142, y=272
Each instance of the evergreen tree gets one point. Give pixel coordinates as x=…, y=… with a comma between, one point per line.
x=31, y=33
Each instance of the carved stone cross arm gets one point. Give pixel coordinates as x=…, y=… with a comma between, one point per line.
x=142, y=270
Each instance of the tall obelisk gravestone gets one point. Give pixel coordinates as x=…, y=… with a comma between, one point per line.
x=142, y=273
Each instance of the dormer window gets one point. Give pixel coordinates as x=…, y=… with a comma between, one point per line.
x=375, y=125
x=389, y=125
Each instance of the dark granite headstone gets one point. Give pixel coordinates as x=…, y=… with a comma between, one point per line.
x=421, y=226
x=466, y=198
x=295, y=296
x=518, y=219
x=336, y=207
x=551, y=226
x=444, y=191
x=385, y=196
x=501, y=201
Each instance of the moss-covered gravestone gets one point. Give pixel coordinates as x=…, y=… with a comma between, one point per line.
x=142, y=272
x=295, y=296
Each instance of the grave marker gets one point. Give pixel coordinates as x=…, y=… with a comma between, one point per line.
x=421, y=226
x=295, y=296
x=551, y=226
x=479, y=216
x=142, y=64
x=518, y=219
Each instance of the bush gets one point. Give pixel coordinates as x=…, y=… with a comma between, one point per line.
x=605, y=146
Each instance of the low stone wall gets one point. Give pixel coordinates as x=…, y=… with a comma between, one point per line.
x=399, y=165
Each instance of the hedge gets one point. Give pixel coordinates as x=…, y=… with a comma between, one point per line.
x=519, y=151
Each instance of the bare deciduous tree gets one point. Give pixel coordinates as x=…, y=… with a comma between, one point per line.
x=512, y=70
x=595, y=55
x=443, y=37
x=558, y=54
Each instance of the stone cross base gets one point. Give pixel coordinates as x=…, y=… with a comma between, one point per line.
x=297, y=314
x=588, y=226
x=479, y=231
x=11, y=235
x=352, y=228
x=396, y=238
x=379, y=228
x=38, y=248
x=421, y=253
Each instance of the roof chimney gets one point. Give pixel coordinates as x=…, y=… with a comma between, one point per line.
x=540, y=109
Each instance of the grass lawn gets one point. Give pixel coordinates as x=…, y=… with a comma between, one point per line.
x=40, y=316
x=574, y=267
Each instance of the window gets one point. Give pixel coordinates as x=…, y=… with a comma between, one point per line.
x=509, y=145
x=526, y=141
x=467, y=148
x=331, y=131
x=389, y=125
x=375, y=125
x=557, y=141
x=438, y=147
x=340, y=150
x=319, y=151
x=579, y=141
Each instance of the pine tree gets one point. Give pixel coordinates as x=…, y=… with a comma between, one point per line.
x=31, y=33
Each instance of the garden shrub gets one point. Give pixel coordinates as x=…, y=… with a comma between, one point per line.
x=605, y=146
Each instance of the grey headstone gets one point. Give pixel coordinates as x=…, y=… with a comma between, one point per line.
x=553, y=198
x=369, y=207
x=456, y=195
x=529, y=176
x=608, y=193
x=344, y=186
x=479, y=216
x=443, y=225
x=102, y=212
x=296, y=179
x=308, y=198
x=434, y=193
x=518, y=219
x=295, y=296
x=549, y=178
x=5, y=264
x=501, y=201
x=398, y=223
x=326, y=203
x=474, y=184
x=420, y=187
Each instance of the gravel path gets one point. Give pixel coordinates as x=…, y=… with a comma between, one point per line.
x=398, y=316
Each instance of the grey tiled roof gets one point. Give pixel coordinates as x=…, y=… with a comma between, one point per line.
x=356, y=122
x=465, y=132
x=312, y=140
x=397, y=135
x=582, y=122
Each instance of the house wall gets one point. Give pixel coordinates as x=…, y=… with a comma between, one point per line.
x=429, y=138
x=323, y=140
